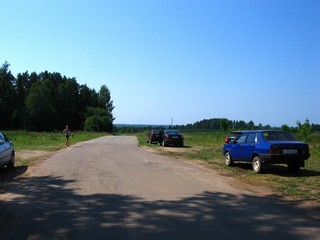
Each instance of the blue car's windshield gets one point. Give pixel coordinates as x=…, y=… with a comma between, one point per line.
x=277, y=136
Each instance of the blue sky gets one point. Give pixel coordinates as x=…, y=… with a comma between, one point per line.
x=185, y=60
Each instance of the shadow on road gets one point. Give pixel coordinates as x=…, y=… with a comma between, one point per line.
x=47, y=208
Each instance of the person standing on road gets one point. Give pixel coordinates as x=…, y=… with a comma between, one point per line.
x=160, y=137
x=67, y=133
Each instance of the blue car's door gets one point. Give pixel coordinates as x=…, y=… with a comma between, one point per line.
x=237, y=148
x=249, y=147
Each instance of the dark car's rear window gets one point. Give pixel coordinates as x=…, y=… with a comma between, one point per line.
x=173, y=132
x=277, y=136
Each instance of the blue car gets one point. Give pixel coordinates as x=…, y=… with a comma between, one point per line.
x=264, y=147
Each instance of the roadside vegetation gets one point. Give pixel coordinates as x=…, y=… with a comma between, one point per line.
x=43, y=141
x=206, y=146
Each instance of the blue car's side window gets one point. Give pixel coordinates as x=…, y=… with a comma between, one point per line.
x=252, y=137
x=242, y=139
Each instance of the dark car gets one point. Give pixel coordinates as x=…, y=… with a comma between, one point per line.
x=264, y=147
x=233, y=136
x=153, y=136
x=7, y=154
x=171, y=137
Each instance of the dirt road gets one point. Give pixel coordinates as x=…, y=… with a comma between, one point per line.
x=109, y=188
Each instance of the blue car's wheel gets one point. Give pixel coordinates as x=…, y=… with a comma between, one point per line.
x=257, y=164
x=227, y=159
x=294, y=167
x=12, y=161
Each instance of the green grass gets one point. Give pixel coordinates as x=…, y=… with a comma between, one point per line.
x=43, y=141
x=46, y=141
x=206, y=146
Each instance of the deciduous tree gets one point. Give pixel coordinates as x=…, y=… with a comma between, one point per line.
x=305, y=129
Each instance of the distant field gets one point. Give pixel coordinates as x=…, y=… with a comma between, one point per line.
x=46, y=141
x=206, y=146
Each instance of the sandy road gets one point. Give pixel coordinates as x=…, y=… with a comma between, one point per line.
x=109, y=188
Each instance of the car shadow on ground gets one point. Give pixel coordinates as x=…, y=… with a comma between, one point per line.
x=48, y=208
x=175, y=146
x=283, y=171
x=279, y=170
x=8, y=174
x=170, y=145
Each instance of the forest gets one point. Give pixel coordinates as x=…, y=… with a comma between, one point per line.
x=49, y=101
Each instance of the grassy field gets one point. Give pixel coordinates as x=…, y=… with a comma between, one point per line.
x=47, y=141
x=206, y=146
x=43, y=141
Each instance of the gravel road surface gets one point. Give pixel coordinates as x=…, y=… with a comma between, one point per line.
x=109, y=188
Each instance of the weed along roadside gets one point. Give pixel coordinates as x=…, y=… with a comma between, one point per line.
x=206, y=146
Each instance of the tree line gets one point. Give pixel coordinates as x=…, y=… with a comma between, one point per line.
x=222, y=124
x=225, y=125
x=49, y=101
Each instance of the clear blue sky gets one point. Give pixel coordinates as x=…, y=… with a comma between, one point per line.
x=188, y=60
